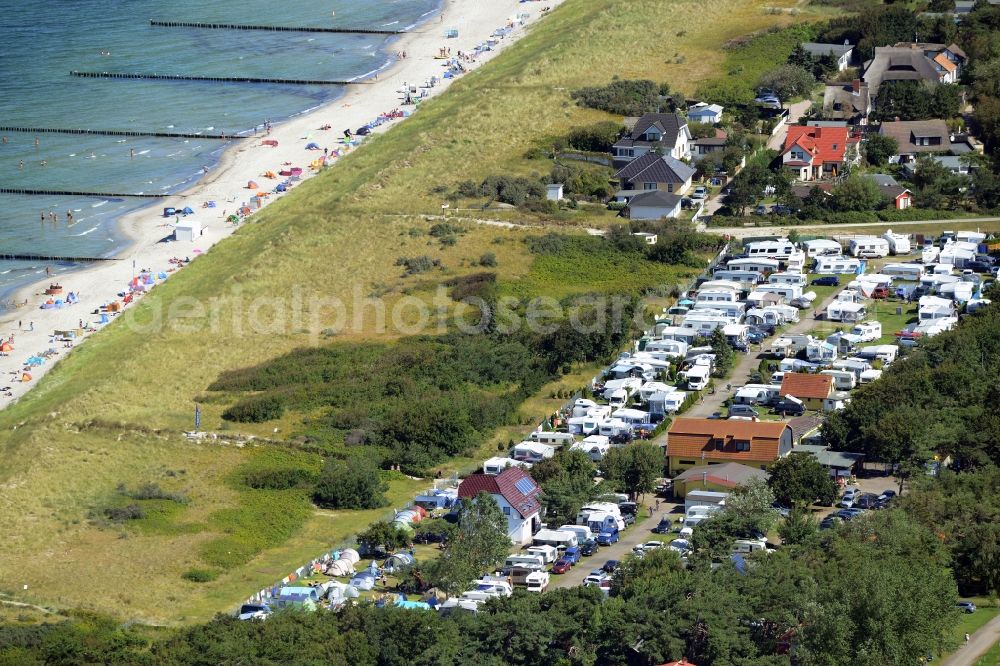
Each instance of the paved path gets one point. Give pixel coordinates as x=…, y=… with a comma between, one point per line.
x=982, y=640
x=795, y=111
x=632, y=536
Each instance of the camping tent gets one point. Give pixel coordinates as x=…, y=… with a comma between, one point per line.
x=398, y=561
x=25, y=377
x=339, y=568
x=188, y=211
x=169, y=211
x=312, y=146
x=350, y=555
x=363, y=581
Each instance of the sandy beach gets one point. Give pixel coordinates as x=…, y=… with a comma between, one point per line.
x=32, y=328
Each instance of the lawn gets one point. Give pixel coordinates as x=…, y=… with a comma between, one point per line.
x=969, y=623
x=113, y=411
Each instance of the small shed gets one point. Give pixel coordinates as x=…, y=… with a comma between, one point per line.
x=188, y=230
x=554, y=192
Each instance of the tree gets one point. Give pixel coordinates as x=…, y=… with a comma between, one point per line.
x=634, y=468
x=723, y=353
x=986, y=118
x=752, y=503
x=986, y=186
x=878, y=148
x=747, y=188
x=788, y=81
x=858, y=193
x=906, y=100
x=567, y=482
x=798, y=528
x=946, y=101
x=354, y=484
x=479, y=545
x=799, y=480
x=383, y=536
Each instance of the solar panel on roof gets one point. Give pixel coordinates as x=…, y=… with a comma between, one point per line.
x=525, y=486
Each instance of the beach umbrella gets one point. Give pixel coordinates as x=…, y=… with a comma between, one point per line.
x=25, y=377
x=251, y=185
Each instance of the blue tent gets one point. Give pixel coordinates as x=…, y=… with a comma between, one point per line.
x=161, y=276
x=281, y=187
x=312, y=146
x=187, y=211
x=104, y=319
x=167, y=212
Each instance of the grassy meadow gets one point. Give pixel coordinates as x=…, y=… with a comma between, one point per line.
x=112, y=413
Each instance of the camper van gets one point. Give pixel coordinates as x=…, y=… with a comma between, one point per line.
x=868, y=330
x=552, y=438
x=696, y=376
x=843, y=380
x=868, y=247
x=549, y=554
x=666, y=348
x=531, y=561
x=788, y=345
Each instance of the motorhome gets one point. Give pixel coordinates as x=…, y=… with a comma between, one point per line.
x=552, y=438
x=614, y=428
x=696, y=377
x=853, y=365
x=779, y=248
x=595, y=446
x=796, y=262
x=582, y=406
x=868, y=247
x=666, y=348
x=787, y=278
x=911, y=272
x=630, y=385
x=649, y=388
x=819, y=247
x=730, y=285
x=749, y=546
x=898, y=243
x=868, y=376
x=585, y=425
x=821, y=351
x=527, y=560
x=836, y=265
x=843, y=380
x=846, y=311
x=867, y=330
x=532, y=452
x=885, y=353
x=537, y=582
x=666, y=402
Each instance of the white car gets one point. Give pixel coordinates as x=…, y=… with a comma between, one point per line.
x=700, y=192
x=680, y=545
x=594, y=579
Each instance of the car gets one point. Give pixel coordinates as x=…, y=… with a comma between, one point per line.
x=847, y=501
x=630, y=508
x=610, y=566
x=700, y=192
x=572, y=554
x=966, y=606
x=978, y=266
x=787, y=407
x=879, y=293
x=561, y=566
x=826, y=281
x=760, y=210
x=653, y=545
x=589, y=547
x=686, y=532
x=743, y=410
x=608, y=537
x=853, y=512
x=664, y=526
x=254, y=611
x=756, y=337
x=783, y=511
x=867, y=501
x=682, y=546
x=628, y=519
x=715, y=415
x=829, y=522
x=780, y=209
x=887, y=495
x=594, y=579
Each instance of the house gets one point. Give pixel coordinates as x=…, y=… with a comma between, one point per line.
x=847, y=101
x=721, y=477
x=811, y=389
x=812, y=153
x=708, y=145
x=654, y=172
x=710, y=114
x=692, y=442
x=948, y=59
x=898, y=196
x=915, y=137
x=839, y=464
x=956, y=164
x=517, y=495
x=902, y=63
x=840, y=53
x=653, y=205
x=665, y=133
x=804, y=428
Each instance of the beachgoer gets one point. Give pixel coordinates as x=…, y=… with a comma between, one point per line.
x=20, y=165
x=43, y=217
x=44, y=162
x=967, y=637
x=19, y=326
x=5, y=139
x=131, y=153
x=37, y=142
x=69, y=216
x=31, y=325
x=48, y=271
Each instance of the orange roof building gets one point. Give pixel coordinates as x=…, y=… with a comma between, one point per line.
x=818, y=152
x=692, y=442
x=811, y=389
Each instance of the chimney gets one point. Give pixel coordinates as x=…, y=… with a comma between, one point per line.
x=856, y=87
x=818, y=132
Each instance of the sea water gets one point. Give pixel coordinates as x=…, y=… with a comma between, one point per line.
x=44, y=41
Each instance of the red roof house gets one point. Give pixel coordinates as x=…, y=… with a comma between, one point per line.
x=818, y=152
x=517, y=495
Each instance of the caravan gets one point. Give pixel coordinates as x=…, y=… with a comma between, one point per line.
x=819, y=247
x=556, y=439
x=836, y=265
x=785, y=290
x=868, y=247
x=898, y=243
x=787, y=278
x=745, y=278
x=911, y=272
x=780, y=248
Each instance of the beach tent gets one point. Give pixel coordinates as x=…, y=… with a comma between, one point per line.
x=72, y=298
x=25, y=377
x=103, y=319
x=295, y=171
x=188, y=211
x=5, y=346
x=312, y=146
x=252, y=185
x=169, y=212
x=186, y=231
x=161, y=276
x=34, y=360
x=281, y=187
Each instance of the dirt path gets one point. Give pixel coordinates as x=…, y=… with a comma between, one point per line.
x=740, y=232
x=981, y=641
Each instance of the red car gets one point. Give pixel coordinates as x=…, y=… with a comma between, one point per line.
x=561, y=566
x=880, y=292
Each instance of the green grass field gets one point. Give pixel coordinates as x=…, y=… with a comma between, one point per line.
x=113, y=411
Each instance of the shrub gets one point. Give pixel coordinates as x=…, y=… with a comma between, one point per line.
x=622, y=97
x=355, y=484
x=513, y=190
x=279, y=479
x=416, y=265
x=475, y=285
x=200, y=575
x=596, y=138
x=121, y=514
x=255, y=410
x=488, y=260
x=443, y=229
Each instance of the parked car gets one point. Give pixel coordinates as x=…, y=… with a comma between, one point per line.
x=756, y=336
x=847, y=501
x=628, y=519
x=610, y=566
x=826, y=281
x=594, y=578
x=880, y=293
x=700, y=192
x=787, y=407
x=760, y=210
x=572, y=554
x=257, y=611
x=608, y=537
x=652, y=545
x=561, y=566
x=589, y=547
x=966, y=606
x=887, y=495
x=829, y=522
x=630, y=508
x=978, y=266
x=780, y=209
x=743, y=410
x=867, y=501
x=664, y=526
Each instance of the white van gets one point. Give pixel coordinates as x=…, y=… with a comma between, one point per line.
x=696, y=377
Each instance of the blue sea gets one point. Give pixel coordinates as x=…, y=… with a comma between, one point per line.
x=45, y=40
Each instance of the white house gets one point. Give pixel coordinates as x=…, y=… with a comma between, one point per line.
x=517, y=495
x=710, y=114
x=653, y=205
x=666, y=133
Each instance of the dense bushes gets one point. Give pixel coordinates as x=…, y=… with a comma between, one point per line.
x=596, y=138
x=592, y=182
x=622, y=97
x=255, y=410
x=353, y=484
